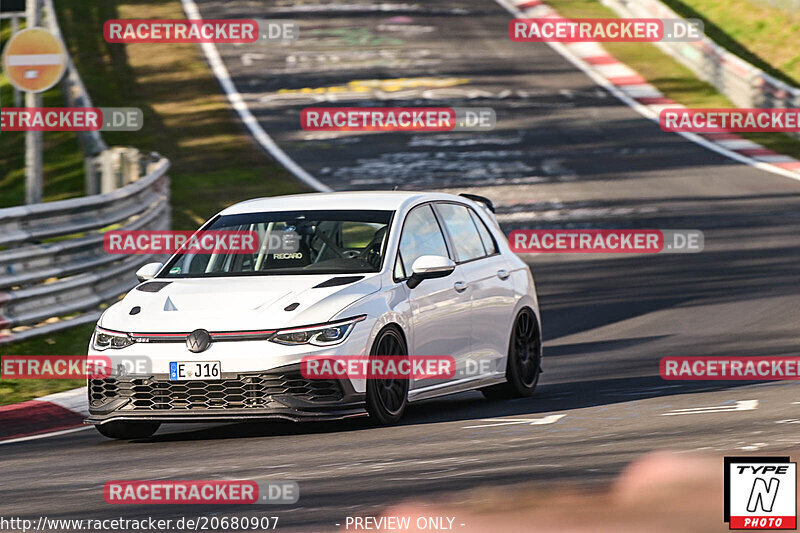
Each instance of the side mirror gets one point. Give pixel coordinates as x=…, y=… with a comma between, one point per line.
x=430, y=267
x=148, y=271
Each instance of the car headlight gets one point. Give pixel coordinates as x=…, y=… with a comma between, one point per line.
x=321, y=335
x=105, y=339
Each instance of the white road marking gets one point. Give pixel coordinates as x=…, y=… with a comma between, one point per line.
x=614, y=70
x=73, y=400
x=775, y=158
x=248, y=57
x=644, y=90
x=753, y=447
x=587, y=49
x=644, y=110
x=261, y=136
x=549, y=419
x=247, y=117
x=738, y=144
x=44, y=435
x=741, y=405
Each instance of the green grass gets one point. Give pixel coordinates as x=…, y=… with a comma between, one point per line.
x=62, y=168
x=20, y=390
x=763, y=35
x=69, y=342
x=670, y=77
x=186, y=118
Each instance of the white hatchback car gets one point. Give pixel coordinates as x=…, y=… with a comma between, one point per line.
x=374, y=274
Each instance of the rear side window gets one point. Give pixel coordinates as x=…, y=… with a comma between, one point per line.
x=488, y=241
x=421, y=236
x=463, y=232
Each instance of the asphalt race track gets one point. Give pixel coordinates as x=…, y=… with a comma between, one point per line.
x=565, y=154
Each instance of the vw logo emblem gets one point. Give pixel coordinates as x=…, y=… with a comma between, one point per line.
x=198, y=341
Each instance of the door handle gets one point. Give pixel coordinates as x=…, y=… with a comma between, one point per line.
x=503, y=274
x=460, y=286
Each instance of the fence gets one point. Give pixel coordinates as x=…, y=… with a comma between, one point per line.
x=54, y=271
x=743, y=84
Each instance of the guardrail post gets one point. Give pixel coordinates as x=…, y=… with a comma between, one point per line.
x=33, y=139
x=92, y=173
x=118, y=162
x=108, y=180
x=130, y=158
x=14, y=30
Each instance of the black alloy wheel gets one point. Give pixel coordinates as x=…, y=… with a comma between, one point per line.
x=524, y=364
x=387, y=397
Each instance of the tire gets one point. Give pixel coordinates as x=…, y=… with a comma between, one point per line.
x=524, y=363
x=128, y=430
x=387, y=398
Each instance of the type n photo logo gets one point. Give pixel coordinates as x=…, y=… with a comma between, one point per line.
x=760, y=493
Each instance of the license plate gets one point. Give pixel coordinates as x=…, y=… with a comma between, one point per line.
x=186, y=370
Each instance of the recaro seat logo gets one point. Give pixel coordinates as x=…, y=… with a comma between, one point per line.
x=760, y=493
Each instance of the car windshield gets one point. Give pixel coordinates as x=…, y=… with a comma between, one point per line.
x=290, y=242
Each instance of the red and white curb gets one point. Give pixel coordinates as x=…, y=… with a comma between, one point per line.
x=627, y=85
x=51, y=415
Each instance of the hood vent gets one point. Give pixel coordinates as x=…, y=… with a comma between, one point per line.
x=169, y=306
x=335, y=282
x=153, y=286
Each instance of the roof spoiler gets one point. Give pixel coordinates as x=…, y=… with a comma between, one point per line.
x=481, y=199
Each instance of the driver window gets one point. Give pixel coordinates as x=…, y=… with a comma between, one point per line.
x=421, y=236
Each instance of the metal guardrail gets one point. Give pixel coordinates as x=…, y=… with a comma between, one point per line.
x=54, y=271
x=744, y=84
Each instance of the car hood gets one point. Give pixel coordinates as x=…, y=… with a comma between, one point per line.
x=236, y=304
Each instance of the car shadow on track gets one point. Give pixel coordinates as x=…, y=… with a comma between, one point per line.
x=553, y=399
x=468, y=406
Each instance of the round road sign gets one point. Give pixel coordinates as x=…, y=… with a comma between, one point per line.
x=34, y=60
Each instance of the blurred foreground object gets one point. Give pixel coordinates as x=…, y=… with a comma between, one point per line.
x=660, y=492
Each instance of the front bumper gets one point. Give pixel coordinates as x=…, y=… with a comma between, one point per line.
x=279, y=393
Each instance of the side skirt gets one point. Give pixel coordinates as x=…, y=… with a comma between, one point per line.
x=462, y=385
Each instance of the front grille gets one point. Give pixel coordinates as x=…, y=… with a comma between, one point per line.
x=247, y=391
